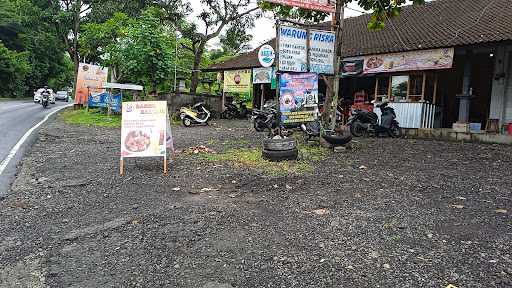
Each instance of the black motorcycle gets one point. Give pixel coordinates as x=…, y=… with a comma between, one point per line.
x=363, y=122
x=233, y=111
x=265, y=118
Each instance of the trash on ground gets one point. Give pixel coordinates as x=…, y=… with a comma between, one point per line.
x=199, y=149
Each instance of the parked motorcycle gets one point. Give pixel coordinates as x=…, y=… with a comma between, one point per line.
x=197, y=114
x=45, y=97
x=266, y=120
x=363, y=122
x=233, y=111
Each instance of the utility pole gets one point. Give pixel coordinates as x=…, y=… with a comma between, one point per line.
x=331, y=99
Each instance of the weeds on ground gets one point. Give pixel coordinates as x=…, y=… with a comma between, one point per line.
x=91, y=118
x=251, y=158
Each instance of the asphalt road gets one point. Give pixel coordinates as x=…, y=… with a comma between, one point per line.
x=16, y=118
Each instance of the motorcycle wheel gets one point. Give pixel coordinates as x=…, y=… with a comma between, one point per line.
x=187, y=122
x=395, y=131
x=259, y=125
x=357, y=129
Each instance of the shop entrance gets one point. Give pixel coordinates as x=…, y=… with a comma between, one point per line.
x=450, y=85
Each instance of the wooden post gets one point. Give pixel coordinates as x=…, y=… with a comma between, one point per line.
x=423, y=86
x=165, y=165
x=262, y=100
x=121, y=167
x=435, y=90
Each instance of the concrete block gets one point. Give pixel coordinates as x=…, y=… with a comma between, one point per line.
x=461, y=127
x=466, y=137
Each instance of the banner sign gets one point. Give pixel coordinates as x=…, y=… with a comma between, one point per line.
x=409, y=61
x=237, y=81
x=101, y=101
x=327, y=6
x=88, y=79
x=321, y=52
x=261, y=75
x=143, y=129
x=266, y=55
x=298, y=97
x=352, y=66
x=292, y=49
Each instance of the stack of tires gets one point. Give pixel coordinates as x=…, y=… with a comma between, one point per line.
x=279, y=149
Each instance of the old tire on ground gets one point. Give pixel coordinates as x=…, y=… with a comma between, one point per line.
x=272, y=155
x=282, y=144
x=337, y=140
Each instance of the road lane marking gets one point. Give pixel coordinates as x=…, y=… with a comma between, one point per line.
x=17, y=147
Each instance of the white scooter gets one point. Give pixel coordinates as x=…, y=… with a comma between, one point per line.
x=197, y=114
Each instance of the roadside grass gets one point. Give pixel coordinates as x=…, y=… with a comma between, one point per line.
x=251, y=158
x=91, y=118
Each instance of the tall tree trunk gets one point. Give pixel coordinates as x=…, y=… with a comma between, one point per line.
x=333, y=94
x=194, y=81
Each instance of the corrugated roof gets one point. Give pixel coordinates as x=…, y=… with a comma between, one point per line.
x=440, y=23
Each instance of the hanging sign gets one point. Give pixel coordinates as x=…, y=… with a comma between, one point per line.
x=261, y=75
x=327, y=6
x=298, y=97
x=89, y=79
x=292, y=49
x=266, y=55
x=237, y=81
x=352, y=66
x=409, y=61
x=321, y=52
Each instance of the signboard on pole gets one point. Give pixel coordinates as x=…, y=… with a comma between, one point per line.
x=266, y=55
x=298, y=97
x=327, y=6
x=409, y=61
x=321, y=52
x=237, y=81
x=88, y=79
x=293, y=49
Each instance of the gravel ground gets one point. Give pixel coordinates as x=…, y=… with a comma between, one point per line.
x=389, y=213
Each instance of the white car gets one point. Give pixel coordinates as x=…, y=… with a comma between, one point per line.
x=37, y=95
x=62, y=95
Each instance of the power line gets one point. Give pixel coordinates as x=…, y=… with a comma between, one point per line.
x=474, y=24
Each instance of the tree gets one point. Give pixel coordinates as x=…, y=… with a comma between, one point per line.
x=146, y=51
x=216, y=16
x=236, y=39
x=25, y=31
x=14, y=67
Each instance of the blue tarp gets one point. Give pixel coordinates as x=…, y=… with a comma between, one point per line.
x=101, y=101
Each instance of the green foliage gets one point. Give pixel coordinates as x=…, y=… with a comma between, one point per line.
x=31, y=39
x=91, y=118
x=14, y=67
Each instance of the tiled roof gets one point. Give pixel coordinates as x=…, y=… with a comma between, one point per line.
x=440, y=23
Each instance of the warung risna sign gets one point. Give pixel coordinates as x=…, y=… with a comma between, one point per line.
x=293, y=49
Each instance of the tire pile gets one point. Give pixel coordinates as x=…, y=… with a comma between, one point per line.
x=280, y=149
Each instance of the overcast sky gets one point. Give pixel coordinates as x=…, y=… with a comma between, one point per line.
x=264, y=29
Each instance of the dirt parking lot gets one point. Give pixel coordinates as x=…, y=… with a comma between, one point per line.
x=389, y=213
